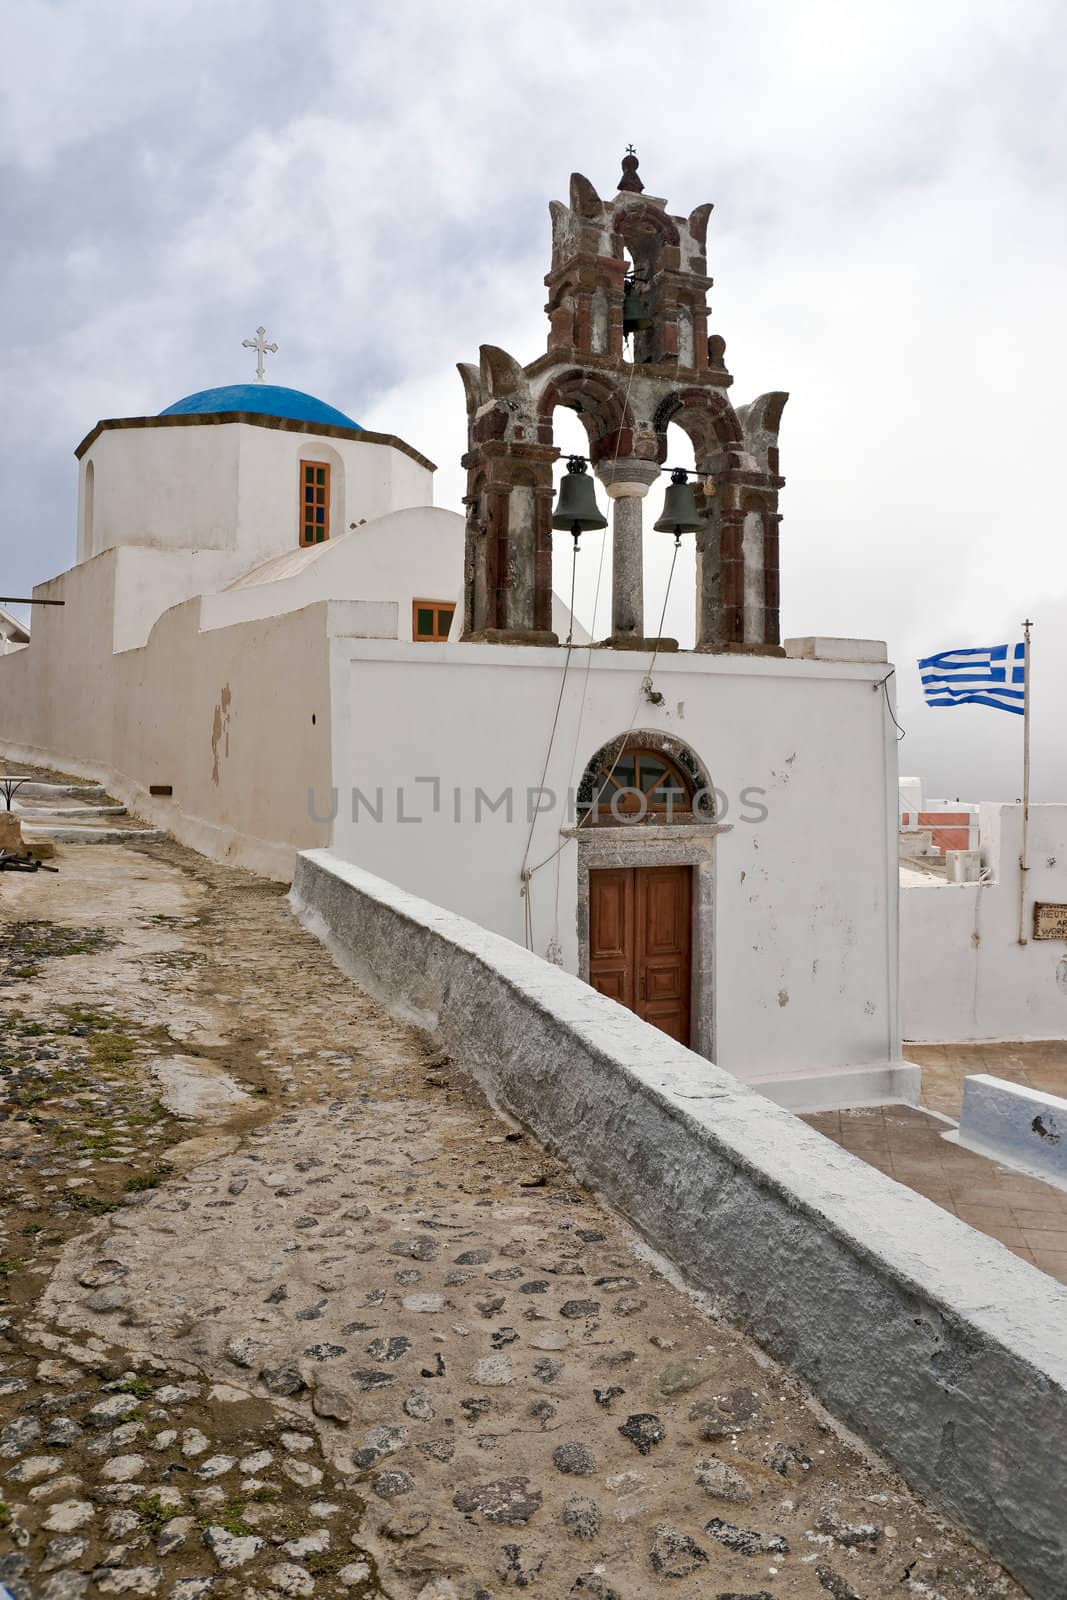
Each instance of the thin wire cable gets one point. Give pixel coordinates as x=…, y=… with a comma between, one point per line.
x=582, y=700
x=901, y=732
x=663, y=613
x=562, y=685
x=645, y=682
x=524, y=875
x=588, y=663
x=976, y=941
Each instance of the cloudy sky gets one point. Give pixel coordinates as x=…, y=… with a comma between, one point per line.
x=371, y=181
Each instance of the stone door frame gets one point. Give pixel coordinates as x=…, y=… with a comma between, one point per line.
x=668, y=844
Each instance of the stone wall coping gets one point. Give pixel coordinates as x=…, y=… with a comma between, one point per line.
x=475, y=653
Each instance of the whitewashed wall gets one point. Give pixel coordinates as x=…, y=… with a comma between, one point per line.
x=963, y=973
x=230, y=486
x=377, y=479
x=189, y=509
x=236, y=720
x=408, y=555
x=805, y=919
x=172, y=488
x=148, y=582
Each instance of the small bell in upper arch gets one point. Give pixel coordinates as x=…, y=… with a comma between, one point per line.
x=680, y=513
x=636, y=306
x=576, y=509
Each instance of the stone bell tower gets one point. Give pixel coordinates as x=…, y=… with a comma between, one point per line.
x=623, y=270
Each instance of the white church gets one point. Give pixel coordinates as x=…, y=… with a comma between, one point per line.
x=271, y=640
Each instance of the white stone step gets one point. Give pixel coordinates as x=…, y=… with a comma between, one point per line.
x=76, y=835
x=31, y=811
x=55, y=791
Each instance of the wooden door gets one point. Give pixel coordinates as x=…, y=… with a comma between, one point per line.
x=663, y=917
x=612, y=966
x=640, y=942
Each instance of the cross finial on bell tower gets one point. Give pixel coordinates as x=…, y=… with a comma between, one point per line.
x=629, y=179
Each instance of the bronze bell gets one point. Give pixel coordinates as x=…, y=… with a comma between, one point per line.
x=576, y=508
x=679, y=507
x=636, y=307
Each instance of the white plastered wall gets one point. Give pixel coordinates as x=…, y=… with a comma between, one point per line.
x=377, y=479
x=398, y=558
x=963, y=973
x=236, y=720
x=172, y=488
x=805, y=929
x=188, y=509
x=148, y=582
x=230, y=486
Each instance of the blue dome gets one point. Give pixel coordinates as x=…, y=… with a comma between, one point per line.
x=262, y=399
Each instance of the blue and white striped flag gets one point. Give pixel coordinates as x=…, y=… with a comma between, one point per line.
x=993, y=675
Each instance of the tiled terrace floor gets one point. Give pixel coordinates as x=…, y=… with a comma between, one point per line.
x=1037, y=1063
x=1028, y=1216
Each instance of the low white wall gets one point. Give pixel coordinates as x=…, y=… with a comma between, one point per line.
x=963, y=973
x=237, y=720
x=1019, y=1126
x=940, y=1346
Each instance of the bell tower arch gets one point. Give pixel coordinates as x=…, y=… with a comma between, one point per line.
x=629, y=351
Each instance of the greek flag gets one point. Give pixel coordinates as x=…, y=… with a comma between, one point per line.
x=994, y=675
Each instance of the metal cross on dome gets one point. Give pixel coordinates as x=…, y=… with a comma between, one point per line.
x=261, y=347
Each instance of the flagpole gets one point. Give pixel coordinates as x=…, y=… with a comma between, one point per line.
x=1024, y=857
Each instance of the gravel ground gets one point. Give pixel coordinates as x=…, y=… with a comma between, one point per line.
x=289, y=1311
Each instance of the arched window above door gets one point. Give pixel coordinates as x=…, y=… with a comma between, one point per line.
x=633, y=781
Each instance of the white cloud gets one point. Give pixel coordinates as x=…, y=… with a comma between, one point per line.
x=372, y=183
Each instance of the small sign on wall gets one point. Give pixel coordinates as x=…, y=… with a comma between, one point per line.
x=1050, y=921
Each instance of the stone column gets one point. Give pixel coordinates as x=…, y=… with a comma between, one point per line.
x=627, y=483
x=627, y=563
x=771, y=588
x=709, y=585
x=522, y=550
x=732, y=576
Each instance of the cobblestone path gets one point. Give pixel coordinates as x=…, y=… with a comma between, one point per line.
x=288, y=1311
